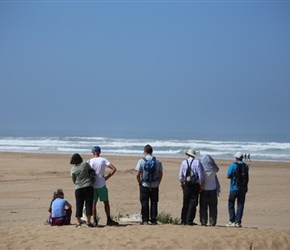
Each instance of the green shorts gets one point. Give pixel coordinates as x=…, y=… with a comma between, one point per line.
x=101, y=193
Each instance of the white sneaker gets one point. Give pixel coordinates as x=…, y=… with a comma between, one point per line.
x=231, y=224
x=238, y=225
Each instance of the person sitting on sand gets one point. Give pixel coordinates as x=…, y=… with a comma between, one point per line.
x=60, y=209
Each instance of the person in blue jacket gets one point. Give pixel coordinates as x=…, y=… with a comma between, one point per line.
x=238, y=189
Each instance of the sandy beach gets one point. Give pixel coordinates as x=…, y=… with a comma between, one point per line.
x=28, y=180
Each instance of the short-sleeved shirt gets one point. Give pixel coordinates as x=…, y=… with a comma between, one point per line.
x=99, y=164
x=196, y=168
x=58, y=208
x=140, y=166
x=80, y=175
x=231, y=174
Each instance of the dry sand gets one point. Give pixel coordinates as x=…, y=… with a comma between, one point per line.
x=28, y=180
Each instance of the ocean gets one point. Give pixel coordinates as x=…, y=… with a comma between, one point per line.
x=176, y=148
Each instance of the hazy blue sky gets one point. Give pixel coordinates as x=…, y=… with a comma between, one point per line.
x=166, y=67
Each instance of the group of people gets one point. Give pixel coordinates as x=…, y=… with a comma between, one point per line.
x=198, y=180
x=87, y=192
x=247, y=157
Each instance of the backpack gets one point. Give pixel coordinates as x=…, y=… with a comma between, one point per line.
x=150, y=170
x=241, y=175
x=190, y=179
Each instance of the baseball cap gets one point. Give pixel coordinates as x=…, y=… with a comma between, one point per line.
x=238, y=155
x=96, y=149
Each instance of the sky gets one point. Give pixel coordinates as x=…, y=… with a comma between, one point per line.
x=145, y=67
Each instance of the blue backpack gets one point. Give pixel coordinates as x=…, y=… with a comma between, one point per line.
x=150, y=170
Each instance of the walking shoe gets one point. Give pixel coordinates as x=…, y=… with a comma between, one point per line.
x=89, y=225
x=78, y=225
x=238, y=225
x=144, y=223
x=154, y=223
x=191, y=223
x=112, y=223
x=231, y=224
x=95, y=223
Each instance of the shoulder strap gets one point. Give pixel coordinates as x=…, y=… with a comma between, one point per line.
x=188, y=170
x=240, y=164
x=189, y=165
x=153, y=159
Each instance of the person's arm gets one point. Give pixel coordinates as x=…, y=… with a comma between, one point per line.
x=138, y=177
x=201, y=186
x=73, y=176
x=181, y=177
x=229, y=172
x=160, y=175
x=200, y=172
x=69, y=205
x=112, y=172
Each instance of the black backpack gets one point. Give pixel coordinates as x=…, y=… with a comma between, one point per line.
x=241, y=175
x=190, y=177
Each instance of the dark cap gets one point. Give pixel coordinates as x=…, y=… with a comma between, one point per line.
x=96, y=149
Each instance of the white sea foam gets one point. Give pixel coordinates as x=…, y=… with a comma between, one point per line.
x=169, y=148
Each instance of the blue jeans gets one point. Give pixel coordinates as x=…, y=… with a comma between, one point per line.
x=240, y=196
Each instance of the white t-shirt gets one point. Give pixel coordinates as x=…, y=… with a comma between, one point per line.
x=99, y=164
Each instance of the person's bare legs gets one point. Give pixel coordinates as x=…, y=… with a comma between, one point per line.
x=95, y=223
x=110, y=222
x=107, y=209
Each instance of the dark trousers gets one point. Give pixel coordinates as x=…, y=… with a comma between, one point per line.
x=190, y=201
x=240, y=196
x=149, y=194
x=208, y=201
x=84, y=195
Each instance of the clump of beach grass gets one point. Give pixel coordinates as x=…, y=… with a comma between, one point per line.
x=167, y=218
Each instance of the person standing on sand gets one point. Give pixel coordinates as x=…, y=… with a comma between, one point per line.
x=99, y=164
x=84, y=190
x=149, y=185
x=238, y=175
x=189, y=168
x=209, y=195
